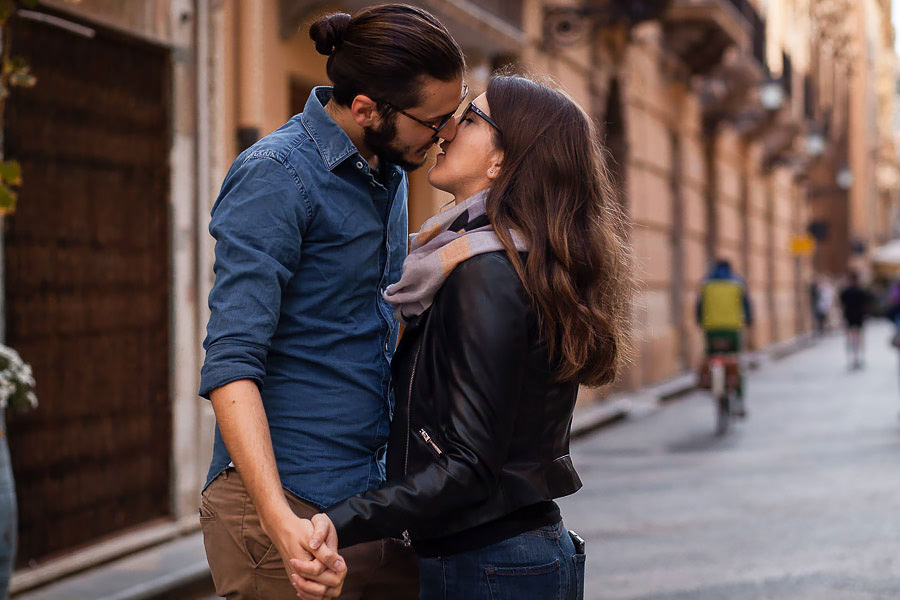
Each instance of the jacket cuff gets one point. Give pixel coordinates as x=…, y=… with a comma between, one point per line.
x=354, y=525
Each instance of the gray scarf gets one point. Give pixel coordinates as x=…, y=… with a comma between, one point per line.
x=445, y=240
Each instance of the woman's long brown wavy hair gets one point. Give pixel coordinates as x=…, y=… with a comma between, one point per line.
x=554, y=189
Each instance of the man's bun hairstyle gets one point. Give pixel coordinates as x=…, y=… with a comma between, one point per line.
x=386, y=52
x=328, y=32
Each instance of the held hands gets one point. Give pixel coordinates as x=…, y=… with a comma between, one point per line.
x=320, y=573
x=316, y=571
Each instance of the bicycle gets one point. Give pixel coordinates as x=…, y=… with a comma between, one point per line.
x=720, y=373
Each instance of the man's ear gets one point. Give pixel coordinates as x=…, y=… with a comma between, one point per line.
x=364, y=110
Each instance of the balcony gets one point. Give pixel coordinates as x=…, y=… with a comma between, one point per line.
x=780, y=142
x=700, y=31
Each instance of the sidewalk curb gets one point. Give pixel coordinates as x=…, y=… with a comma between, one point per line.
x=626, y=405
x=618, y=407
x=597, y=416
x=163, y=587
x=175, y=568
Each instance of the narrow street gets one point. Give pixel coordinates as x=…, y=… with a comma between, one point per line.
x=800, y=501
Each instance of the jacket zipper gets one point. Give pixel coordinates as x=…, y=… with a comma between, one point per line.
x=412, y=378
x=430, y=441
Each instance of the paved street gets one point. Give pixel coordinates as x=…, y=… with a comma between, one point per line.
x=800, y=501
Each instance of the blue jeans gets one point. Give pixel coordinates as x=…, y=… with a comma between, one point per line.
x=7, y=513
x=539, y=564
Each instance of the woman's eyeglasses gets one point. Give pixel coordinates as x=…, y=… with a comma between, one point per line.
x=474, y=109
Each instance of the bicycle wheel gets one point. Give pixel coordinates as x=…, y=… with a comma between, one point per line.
x=723, y=413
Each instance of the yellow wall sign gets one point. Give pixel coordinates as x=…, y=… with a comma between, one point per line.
x=803, y=245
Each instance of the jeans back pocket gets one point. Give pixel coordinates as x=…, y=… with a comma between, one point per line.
x=540, y=582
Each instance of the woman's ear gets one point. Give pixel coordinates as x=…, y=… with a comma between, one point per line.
x=493, y=171
x=364, y=110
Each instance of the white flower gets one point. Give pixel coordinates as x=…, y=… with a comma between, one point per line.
x=16, y=381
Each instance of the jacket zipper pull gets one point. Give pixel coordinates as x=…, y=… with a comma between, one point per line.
x=429, y=441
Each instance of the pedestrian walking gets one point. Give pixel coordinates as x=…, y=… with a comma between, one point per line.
x=310, y=227
x=512, y=298
x=855, y=303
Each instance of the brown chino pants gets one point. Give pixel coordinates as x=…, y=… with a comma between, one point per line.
x=246, y=565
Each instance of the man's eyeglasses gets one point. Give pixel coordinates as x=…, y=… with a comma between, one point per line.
x=474, y=109
x=442, y=121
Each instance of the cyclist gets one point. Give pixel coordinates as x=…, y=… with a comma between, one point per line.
x=723, y=312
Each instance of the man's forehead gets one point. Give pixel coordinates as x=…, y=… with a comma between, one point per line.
x=440, y=97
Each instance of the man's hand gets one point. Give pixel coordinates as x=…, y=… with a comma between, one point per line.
x=314, y=575
x=317, y=573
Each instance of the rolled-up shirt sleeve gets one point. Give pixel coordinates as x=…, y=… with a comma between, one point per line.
x=257, y=223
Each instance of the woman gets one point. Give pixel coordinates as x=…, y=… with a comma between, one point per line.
x=511, y=299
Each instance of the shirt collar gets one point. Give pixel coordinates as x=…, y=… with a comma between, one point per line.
x=331, y=141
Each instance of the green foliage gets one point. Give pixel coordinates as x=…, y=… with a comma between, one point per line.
x=8, y=199
x=11, y=172
x=17, y=72
x=10, y=176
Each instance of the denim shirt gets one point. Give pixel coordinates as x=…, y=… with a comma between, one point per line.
x=307, y=238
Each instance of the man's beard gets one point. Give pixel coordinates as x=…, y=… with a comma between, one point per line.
x=380, y=142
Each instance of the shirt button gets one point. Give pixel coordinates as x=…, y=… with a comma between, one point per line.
x=359, y=165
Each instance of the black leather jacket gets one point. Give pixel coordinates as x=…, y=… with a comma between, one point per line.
x=481, y=428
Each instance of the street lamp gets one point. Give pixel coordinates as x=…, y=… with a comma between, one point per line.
x=844, y=178
x=814, y=143
x=771, y=94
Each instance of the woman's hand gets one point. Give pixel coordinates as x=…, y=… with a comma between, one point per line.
x=323, y=575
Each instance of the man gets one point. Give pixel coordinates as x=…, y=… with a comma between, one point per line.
x=855, y=303
x=723, y=312
x=310, y=227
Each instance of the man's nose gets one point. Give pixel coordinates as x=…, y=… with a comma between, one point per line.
x=449, y=130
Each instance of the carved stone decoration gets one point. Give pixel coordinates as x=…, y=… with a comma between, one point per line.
x=571, y=25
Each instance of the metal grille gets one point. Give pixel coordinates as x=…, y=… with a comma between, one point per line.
x=87, y=284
